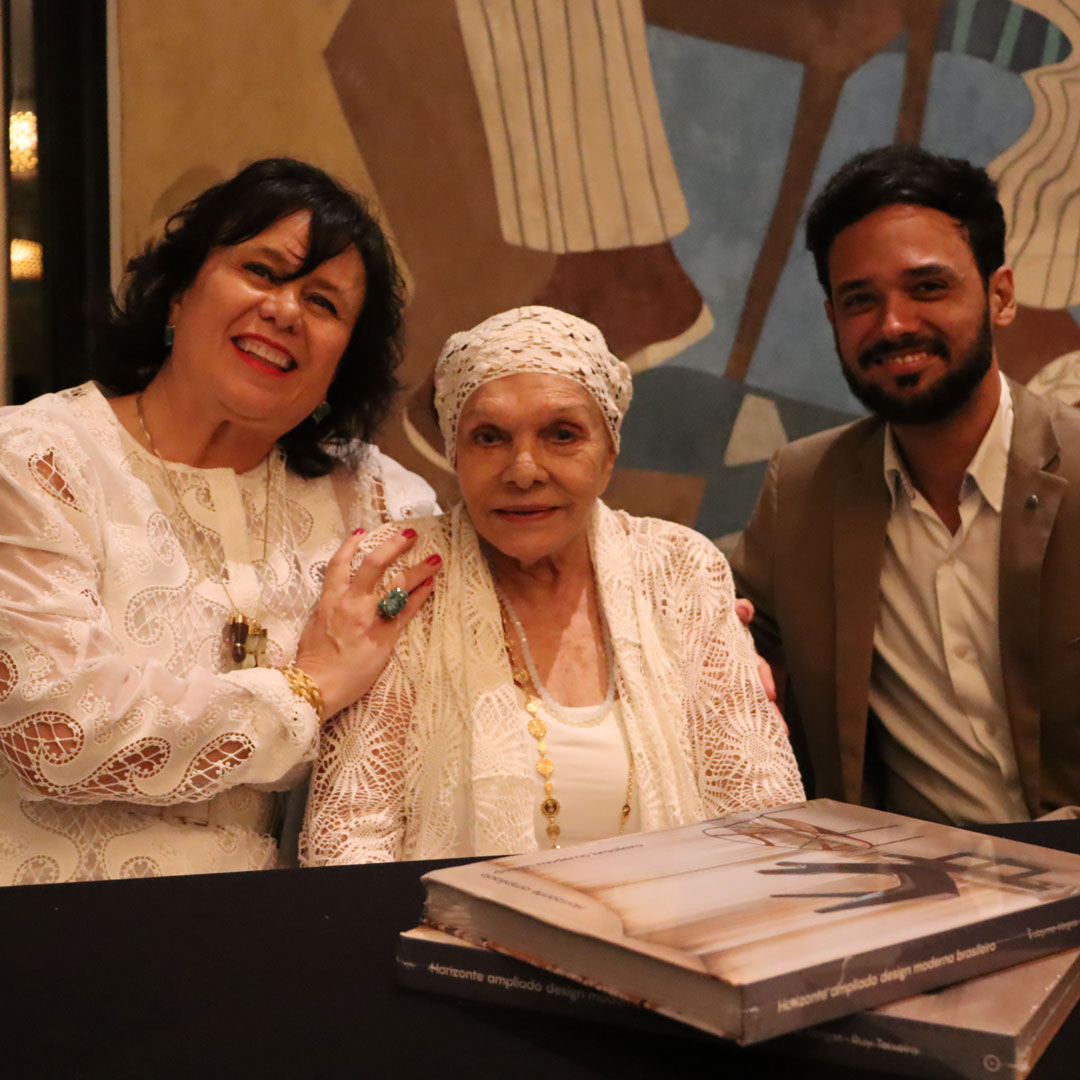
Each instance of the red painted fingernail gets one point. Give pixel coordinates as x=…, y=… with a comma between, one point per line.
x=433, y=560
x=357, y=532
x=409, y=534
x=428, y=582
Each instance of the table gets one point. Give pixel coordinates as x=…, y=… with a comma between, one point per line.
x=291, y=974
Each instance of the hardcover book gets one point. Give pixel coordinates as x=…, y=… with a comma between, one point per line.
x=770, y=921
x=993, y=1025
x=972, y=1030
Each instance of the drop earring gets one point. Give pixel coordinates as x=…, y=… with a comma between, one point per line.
x=169, y=336
x=320, y=412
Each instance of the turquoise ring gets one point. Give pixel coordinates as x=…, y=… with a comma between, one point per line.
x=393, y=603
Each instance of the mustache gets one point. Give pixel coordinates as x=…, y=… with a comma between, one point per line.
x=886, y=347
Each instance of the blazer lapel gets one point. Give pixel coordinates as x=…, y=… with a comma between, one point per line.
x=860, y=518
x=1032, y=497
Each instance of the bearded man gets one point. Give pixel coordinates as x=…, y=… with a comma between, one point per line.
x=919, y=569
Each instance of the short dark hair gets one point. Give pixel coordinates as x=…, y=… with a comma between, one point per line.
x=891, y=175
x=131, y=349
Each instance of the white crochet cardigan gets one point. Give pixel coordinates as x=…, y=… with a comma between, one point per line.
x=127, y=747
x=435, y=761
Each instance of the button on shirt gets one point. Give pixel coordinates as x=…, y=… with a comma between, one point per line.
x=936, y=682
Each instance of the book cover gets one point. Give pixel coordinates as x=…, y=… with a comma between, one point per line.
x=993, y=1024
x=770, y=921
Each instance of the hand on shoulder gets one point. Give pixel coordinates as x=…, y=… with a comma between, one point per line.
x=349, y=636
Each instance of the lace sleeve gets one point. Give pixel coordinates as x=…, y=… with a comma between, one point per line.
x=356, y=808
x=381, y=490
x=80, y=722
x=742, y=755
x=407, y=494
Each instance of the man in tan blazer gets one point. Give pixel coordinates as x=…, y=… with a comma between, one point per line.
x=920, y=569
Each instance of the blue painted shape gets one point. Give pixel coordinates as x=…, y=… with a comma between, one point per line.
x=681, y=421
x=795, y=355
x=729, y=115
x=974, y=109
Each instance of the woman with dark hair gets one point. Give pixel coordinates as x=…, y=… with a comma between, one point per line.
x=178, y=612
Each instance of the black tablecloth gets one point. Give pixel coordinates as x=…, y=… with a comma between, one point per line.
x=291, y=974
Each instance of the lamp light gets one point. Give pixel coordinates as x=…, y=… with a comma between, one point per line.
x=26, y=260
x=23, y=142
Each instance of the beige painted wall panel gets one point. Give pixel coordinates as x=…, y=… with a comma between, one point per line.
x=1038, y=176
x=579, y=156
x=207, y=86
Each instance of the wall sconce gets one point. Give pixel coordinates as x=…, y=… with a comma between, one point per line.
x=26, y=260
x=23, y=141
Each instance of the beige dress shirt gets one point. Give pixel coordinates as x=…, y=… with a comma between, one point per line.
x=936, y=682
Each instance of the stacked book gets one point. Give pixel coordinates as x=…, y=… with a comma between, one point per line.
x=825, y=928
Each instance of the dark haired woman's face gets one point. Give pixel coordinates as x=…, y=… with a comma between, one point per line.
x=263, y=348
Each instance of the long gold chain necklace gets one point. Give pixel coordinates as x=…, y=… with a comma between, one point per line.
x=523, y=672
x=247, y=639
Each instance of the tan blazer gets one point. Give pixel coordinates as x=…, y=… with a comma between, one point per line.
x=810, y=560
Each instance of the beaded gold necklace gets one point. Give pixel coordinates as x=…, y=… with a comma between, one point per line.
x=526, y=679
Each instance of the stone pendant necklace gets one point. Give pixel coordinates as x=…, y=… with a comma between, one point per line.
x=246, y=638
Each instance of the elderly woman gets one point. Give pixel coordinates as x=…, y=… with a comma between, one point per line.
x=580, y=672
x=168, y=640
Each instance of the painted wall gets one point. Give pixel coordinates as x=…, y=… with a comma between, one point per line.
x=644, y=163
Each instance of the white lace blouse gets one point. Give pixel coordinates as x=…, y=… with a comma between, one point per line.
x=127, y=747
x=435, y=762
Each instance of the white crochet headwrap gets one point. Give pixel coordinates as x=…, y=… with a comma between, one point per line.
x=529, y=339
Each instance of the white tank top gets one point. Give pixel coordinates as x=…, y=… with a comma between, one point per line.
x=592, y=763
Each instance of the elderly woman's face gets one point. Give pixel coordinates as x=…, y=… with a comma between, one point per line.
x=264, y=348
x=533, y=455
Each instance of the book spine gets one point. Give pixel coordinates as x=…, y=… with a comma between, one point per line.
x=861, y=981
x=494, y=978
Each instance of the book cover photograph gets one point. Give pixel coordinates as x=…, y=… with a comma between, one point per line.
x=766, y=922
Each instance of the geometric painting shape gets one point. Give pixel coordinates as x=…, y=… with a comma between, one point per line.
x=1059, y=379
x=652, y=493
x=757, y=433
x=728, y=542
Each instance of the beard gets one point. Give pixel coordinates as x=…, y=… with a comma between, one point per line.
x=943, y=398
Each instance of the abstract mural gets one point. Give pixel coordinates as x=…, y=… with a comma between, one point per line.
x=646, y=164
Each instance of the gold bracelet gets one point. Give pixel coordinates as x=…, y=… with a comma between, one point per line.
x=304, y=687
